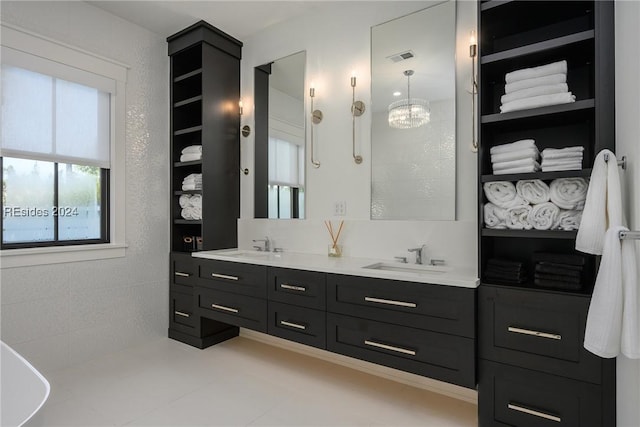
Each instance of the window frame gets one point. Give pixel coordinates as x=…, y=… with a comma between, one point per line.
x=40, y=48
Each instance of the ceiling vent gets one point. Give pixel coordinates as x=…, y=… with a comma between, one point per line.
x=401, y=56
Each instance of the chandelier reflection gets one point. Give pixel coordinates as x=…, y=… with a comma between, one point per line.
x=410, y=112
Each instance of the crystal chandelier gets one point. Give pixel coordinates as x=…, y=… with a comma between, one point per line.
x=410, y=112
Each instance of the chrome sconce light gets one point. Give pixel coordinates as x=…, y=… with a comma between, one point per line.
x=316, y=118
x=245, y=132
x=357, y=109
x=473, y=53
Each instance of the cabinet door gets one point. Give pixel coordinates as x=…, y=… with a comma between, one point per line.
x=300, y=324
x=537, y=330
x=239, y=278
x=441, y=356
x=510, y=396
x=183, y=273
x=182, y=313
x=234, y=309
x=303, y=288
x=432, y=307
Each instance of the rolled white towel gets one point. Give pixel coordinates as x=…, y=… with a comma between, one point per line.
x=559, y=67
x=494, y=217
x=520, y=169
x=503, y=194
x=190, y=157
x=192, y=149
x=562, y=153
x=514, y=146
x=196, y=212
x=534, y=91
x=196, y=200
x=518, y=218
x=525, y=153
x=538, y=101
x=569, y=193
x=533, y=191
x=543, y=216
x=535, y=82
x=185, y=200
x=568, y=220
x=515, y=164
x=187, y=213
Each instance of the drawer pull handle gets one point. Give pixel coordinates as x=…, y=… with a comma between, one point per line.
x=293, y=325
x=177, y=273
x=391, y=302
x=390, y=347
x=180, y=313
x=534, y=333
x=293, y=287
x=222, y=307
x=224, y=276
x=534, y=413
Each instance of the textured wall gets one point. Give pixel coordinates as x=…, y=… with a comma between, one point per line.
x=58, y=315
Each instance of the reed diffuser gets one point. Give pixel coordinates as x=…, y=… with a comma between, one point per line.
x=334, y=250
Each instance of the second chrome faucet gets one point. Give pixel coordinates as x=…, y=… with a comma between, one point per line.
x=419, y=253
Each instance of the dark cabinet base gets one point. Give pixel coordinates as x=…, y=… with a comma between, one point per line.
x=207, y=341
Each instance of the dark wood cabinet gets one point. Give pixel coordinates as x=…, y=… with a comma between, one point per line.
x=533, y=369
x=205, y=75
x=300, y=324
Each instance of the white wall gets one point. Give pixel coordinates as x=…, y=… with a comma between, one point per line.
x=337, y=41
x=627, y=144
x=62, y=314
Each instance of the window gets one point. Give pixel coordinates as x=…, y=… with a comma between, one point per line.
x=62, y=152
x=286, y=173
x=55, y=160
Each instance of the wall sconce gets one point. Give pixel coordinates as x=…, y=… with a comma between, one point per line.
x=473, y=52
x=357, y=109
x=316, y=118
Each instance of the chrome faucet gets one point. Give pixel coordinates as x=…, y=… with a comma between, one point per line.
x=418, y=252
x=265, y=241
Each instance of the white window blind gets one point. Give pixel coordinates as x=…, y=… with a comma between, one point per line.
x=285, y=163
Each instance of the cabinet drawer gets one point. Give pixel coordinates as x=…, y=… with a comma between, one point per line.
x=510, y=396
x=441, y=356
x=542, y=331
x=300, y=324
x=303, y=288
x=181, y=312
x=432, y=307
x=183, y=272
x=245, y=279
x=234, y=309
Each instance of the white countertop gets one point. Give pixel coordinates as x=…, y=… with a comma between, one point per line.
x=437, y=275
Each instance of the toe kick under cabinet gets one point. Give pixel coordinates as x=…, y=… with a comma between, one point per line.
x=420, y=328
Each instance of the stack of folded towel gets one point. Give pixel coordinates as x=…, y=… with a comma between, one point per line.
x=192, y=182
x=562, y=159
x=536, y=87
x=191, y=153
x=532, y=204
x=559, y=271
x=506, y=271
x=191, y=205
x=516, y=157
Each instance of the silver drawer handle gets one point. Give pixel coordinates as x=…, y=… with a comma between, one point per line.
x=390, y=347
x=224, y=276
x=293, y=287
x=293, y=325
x=391, y=302
x=534, y=413
x=222, y=307
x=534, y=333
x=177, y=273
x=180, y=313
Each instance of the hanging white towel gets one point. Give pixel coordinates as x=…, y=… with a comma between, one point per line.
x=603, y=205
x=534, y=91
x=538, y=101
x=613, y=322
x=559, y=67
x=536, y=82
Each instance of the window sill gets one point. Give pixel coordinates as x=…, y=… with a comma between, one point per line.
x=10, y=258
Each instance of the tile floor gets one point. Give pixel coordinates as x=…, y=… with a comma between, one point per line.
x=237, y=383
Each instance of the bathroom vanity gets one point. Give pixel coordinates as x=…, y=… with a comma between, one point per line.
x=419, y=319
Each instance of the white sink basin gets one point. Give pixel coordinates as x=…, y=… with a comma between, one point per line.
x=243, y=253
x=397, y=267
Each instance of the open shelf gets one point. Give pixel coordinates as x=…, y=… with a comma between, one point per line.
x=530, y=286
x=188, y=75
x=494, y=3
x=188, y=130
x=584, y=104
x=181, y=192
x=188, y=101
x=187, y=221
x=545, y=176
x=185, y=164
x=530, y=234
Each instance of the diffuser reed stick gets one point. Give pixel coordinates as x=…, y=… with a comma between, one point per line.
x=334, y=249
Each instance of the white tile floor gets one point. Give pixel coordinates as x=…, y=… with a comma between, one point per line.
x=237, y=383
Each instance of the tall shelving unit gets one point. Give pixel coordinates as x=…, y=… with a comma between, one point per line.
x=204, y=95
x=533, y=370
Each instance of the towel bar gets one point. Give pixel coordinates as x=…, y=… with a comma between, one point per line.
x=630, y=235
x=622, y=162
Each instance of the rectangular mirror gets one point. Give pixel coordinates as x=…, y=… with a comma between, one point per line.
x=413, y=128
x=280, y=138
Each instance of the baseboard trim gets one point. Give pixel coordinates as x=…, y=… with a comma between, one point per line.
x=451, y=390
